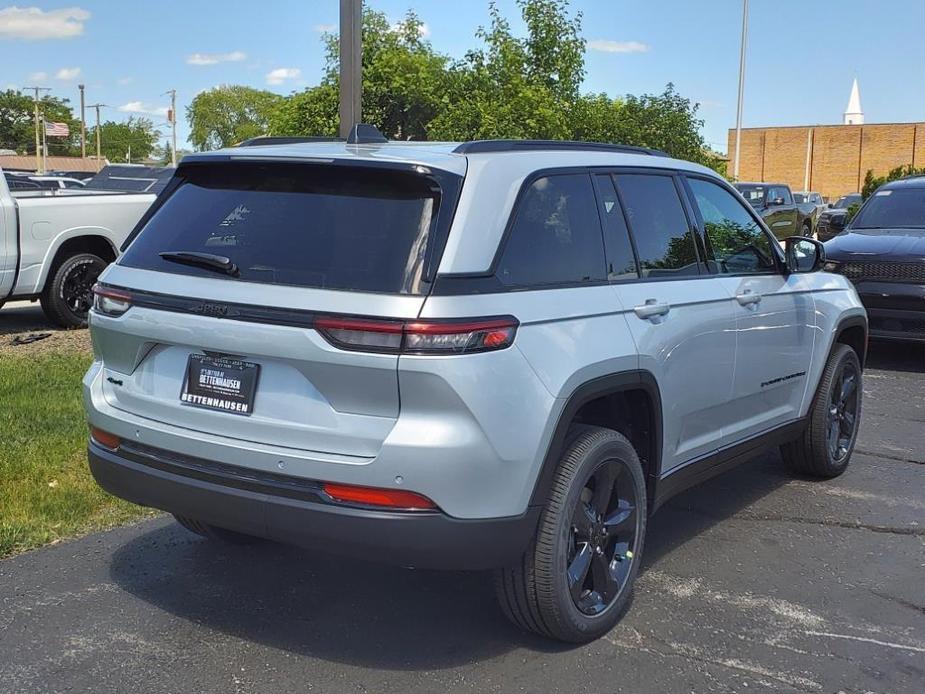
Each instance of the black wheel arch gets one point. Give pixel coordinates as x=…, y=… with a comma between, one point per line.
x=852, y=331
x=638, y=383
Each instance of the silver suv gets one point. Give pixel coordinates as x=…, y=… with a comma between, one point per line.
x=490, y=355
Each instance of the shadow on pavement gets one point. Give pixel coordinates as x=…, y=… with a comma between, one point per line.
x=896, y=356
x=21, y=316
x=370, y=615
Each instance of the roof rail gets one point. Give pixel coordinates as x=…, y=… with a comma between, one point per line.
x=479, y=146
x=284, y=140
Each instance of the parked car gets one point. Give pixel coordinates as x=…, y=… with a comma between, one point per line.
x=489, y=355
x=54, y=244
x=834, y=220
x=775, y=203
x=882, y=251
x=59, y=182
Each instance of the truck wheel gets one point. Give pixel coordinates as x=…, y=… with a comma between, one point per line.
x=212, y=532
x=575, y=580
x=807, y=230
x=68, y=293
x=824, y=449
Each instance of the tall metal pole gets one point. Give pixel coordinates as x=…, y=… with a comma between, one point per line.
x=351, y=64
x=172, y=119
x=735, y=168
x=98, y=141
x=83, y=123
x=38, y=145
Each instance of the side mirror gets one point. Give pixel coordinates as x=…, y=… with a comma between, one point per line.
x=803, y=254
x=831, y=205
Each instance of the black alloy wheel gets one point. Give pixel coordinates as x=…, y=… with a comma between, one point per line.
x=77, y=288
x=843, y=412
x=603, y=538
x=68, y=294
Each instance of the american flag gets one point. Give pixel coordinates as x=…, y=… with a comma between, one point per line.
x=56, y=129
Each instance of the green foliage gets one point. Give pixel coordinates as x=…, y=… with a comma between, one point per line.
x=508, y=87
x=17, y=123
x=871, y=182
x=135, y=135
x=225, y=115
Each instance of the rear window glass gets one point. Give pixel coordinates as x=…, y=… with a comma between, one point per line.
x=325, y=227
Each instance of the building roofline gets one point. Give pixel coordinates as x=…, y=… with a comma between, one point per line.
x=828, y=125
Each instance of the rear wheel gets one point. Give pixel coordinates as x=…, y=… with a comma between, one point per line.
x=825, y=448
x=213, y=532
x=68, y=293
x=807, y=230
x=575, y=580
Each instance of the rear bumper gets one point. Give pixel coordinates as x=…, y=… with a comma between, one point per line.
x=297, y=514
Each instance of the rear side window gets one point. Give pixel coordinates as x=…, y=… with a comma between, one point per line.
x=621, y=263
x=325, y=227
x=656, y=218
x=555, y=236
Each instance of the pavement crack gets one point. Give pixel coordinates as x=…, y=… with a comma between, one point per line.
x=832, y=523
x=897, y=458
x=908, y=604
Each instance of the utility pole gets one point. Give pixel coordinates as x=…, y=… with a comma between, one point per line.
x=173, y=126
x=351, y=64
x=38, y=144
x=735, y=167
x=83, y=124
x=98, y=144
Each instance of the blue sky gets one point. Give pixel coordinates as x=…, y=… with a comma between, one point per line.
x=802, y=54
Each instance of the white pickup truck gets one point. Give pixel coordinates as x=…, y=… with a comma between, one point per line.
x=54, y=245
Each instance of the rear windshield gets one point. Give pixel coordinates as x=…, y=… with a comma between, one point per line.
x=326, y=227
x=754, y=194
x=899, y=208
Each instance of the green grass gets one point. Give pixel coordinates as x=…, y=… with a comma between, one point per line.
x=46, y=490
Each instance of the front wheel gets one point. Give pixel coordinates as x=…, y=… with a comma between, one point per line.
x=824, y=449
x=575, y=580
x=807, y=230
x=68, y=293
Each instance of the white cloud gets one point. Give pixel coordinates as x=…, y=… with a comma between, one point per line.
x=142, y=108
x=39, y=76
x=608, y=46
x=325, y=28
x=32, y=23
x=215, y=58
x=66, y=74
x=281, y=74
x=125, y=80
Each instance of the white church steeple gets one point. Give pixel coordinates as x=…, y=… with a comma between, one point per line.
x=853, y=114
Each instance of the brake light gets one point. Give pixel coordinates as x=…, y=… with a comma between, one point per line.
x=418, y=337
x=110, y=302
x=105, y=439
x=374, y=496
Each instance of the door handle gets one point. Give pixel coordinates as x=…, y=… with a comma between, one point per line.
x=748, y=298
x=652, y=308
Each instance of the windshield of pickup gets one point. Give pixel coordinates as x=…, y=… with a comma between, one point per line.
x=754, y=194
x=893, y=209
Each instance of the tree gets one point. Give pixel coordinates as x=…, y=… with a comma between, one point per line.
x=403, y=84
x=871, y=182
x=135, y=135
x=17, y=123
x=224, y=116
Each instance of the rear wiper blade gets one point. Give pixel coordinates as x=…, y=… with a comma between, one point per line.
x=209, y=261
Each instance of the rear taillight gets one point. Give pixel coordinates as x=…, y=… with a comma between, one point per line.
x=110, y=302
x=418, y=337
x=374, y=496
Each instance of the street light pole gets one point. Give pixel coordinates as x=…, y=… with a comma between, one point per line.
x=83, y=123
x=735, y=168
x=38, y=144
x=351, y=64
x=173, y=126
x=98, y=142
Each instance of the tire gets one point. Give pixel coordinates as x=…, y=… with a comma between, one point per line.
x=212, y=532
x=537, y=593
x=68, y=293
x=833, y=419
x=807, y=230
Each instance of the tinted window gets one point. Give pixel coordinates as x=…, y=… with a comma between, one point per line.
x=754, y=194
x=897, y=208
x=780, y=193
x=556, y=235
x=621, y=263
x=312, y=226
x=735, y=241
x=656, y=218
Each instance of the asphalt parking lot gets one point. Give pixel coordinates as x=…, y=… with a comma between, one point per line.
x=753, y=581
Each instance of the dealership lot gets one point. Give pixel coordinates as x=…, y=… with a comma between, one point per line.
x=753, y=580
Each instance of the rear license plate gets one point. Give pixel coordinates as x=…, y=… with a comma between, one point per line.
x=220, y=383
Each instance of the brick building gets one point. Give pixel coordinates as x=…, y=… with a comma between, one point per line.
x=832, y=159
